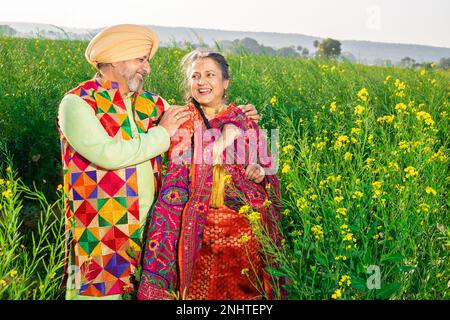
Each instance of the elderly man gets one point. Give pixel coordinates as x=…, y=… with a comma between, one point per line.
x=112, y=135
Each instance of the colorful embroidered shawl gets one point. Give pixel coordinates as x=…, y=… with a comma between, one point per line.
x=179, y=215
x=102, y=206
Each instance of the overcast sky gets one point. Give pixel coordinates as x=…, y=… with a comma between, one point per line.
x=399, y=21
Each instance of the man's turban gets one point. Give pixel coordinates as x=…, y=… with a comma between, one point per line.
x=120, y=43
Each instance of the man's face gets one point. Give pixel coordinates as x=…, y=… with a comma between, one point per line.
x=132, y=72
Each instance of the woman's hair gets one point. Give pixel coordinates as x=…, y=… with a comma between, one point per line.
x=190, y=58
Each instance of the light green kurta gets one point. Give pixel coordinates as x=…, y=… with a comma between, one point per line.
x=85, y=133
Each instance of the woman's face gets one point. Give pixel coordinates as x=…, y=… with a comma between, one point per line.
x=207, y=83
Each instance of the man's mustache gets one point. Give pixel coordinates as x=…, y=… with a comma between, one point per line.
x=143, y=73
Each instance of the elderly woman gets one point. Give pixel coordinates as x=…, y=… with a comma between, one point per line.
x=201, y=242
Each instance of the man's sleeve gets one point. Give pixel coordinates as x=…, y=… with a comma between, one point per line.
x=85, y=133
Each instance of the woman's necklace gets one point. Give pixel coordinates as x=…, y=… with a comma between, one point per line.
x=211, y=112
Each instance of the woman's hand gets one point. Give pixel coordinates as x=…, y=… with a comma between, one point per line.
x=250, y=111
x=255, y=172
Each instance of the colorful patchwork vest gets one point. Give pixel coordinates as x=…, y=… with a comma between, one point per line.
x=102, y=206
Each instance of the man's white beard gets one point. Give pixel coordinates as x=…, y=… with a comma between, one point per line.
x=132, y=82
x=135, y=85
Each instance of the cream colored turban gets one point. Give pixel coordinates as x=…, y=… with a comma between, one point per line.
x=120, y=43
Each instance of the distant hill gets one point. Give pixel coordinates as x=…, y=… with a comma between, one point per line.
x=363, y=51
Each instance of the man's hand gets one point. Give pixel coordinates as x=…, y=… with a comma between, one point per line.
x=255, y=172
x=173, y=118
x=250, y=111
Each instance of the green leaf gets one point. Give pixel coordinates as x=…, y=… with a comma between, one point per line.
x=321, y=259
x=406, y=268
x=359, y=284
x=392, y=258
x=388, y=290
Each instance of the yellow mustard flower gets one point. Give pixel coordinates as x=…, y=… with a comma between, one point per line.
x=244, y=271
x=333, y=106
x=387, y=119
x=401, y=107
x=302, y=203
x=245, y=209
x=410, y=171
x=288, y=148
x=338, y=258
x=377, y=184
x=399, y=84
x=363, y=94
x=345, y=280
x=286, y=168
x=423, y=207
x=7, y=194
x=274, y=100
x=359, y=109
x=317, y=232
x=387, y=79
x=394, y=165
x=356, y=131
x=244, y=239
x=254, y=217
x=337, y=294
x=348, y=156
x=320, y=145
x=357, y=195
x=426, y=117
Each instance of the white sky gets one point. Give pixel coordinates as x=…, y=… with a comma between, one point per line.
x=401, y=21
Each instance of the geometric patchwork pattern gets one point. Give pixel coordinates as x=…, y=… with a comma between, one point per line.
x=111, y=183
x=115, y=238
x=102, y=206
x=112, y=210
x=85, y=184
x=85, y=213
x=88, y=241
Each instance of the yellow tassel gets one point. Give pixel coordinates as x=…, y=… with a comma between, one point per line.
x=218, y=187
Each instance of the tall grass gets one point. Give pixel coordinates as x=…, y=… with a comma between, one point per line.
x=30, y=262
